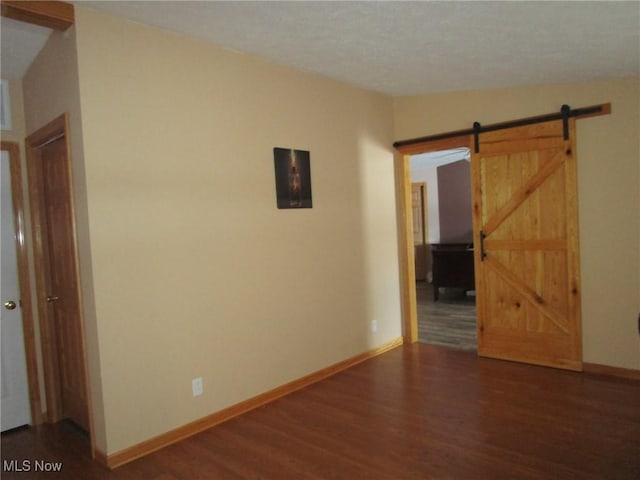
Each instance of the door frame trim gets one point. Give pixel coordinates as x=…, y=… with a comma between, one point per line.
x=56, y=129
x=17, y=197
x=402, y=164
x=423, y=208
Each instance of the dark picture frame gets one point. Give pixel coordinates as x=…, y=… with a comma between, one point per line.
x=293, y=178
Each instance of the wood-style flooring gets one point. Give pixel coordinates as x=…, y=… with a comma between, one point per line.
x=448, y=322
x=415, y=412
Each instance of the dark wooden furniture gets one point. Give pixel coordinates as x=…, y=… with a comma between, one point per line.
x=422, y=254
x=452, y=266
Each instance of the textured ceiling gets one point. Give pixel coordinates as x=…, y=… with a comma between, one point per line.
x=404, y=48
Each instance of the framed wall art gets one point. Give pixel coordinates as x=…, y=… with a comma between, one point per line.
x=293, y=178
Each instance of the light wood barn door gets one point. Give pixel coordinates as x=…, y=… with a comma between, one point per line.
x=526, y=244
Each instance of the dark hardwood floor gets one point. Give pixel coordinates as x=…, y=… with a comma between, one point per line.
x=416, y=412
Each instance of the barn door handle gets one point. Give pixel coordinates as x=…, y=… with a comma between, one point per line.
x=52, y=298
x=483, y=252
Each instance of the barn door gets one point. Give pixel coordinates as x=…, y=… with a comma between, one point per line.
x=526, y=245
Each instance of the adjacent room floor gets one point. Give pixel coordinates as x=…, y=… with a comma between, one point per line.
x=448, y=322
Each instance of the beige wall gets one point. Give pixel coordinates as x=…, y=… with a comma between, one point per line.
x=17, y=132
x=195, y=270
x=608, y=185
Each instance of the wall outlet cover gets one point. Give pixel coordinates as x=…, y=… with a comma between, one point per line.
x=196, y=386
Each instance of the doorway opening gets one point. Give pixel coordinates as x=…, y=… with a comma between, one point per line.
x=443, y=248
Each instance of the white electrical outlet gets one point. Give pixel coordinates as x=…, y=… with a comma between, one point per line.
x=374, y=326
x=196, y=386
